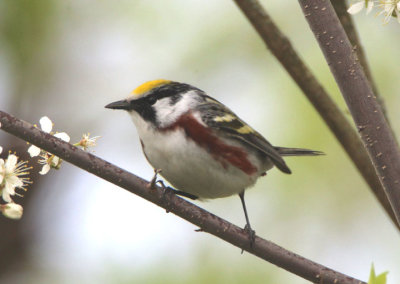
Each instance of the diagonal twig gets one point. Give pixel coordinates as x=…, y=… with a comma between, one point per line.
x=356, y=90
x=283, y=50
x=349, y=27
x=208, y=222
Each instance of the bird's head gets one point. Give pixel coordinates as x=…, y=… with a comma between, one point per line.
x=159, y=103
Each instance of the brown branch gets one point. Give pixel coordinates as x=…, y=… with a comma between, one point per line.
x=208, y=222
x=283, y=50
x=348, y=25
x=356, y=90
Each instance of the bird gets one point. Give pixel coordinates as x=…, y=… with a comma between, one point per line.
x=201, y=147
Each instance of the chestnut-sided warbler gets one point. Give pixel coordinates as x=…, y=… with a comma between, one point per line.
x=201, y=147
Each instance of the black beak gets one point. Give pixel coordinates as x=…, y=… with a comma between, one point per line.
x=123, y=104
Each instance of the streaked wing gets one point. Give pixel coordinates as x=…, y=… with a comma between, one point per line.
x=219, y=117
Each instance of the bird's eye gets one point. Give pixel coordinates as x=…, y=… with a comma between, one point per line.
x=152, y=100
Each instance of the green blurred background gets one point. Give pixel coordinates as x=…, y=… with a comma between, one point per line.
x=67, y=59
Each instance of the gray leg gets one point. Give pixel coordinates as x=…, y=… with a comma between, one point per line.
x=252, y=234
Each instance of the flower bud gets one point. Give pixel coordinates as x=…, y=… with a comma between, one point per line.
x=12, y=210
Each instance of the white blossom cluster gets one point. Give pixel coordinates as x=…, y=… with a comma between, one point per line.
x=14, y=174
x=388, y=8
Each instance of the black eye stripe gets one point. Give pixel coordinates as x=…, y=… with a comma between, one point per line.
x=144, y=109
x=152, y=100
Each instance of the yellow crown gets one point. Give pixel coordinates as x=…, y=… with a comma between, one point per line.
x=145, y=87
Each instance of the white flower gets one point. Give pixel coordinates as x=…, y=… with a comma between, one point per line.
x=1, y=149
x=390, y=7
x=47, y=159
x=358, y=6
x=12, y=175
x=12, y=210
x=46, y=125
x=87, y=141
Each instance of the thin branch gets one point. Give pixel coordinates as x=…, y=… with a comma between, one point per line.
x=356, y=90
x=347, y=22
x=206, y=221
x=283, y=50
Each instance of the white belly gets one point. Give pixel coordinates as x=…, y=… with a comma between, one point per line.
x=192, y=169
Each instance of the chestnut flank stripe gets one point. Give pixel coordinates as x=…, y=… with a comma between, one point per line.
x=206, y=139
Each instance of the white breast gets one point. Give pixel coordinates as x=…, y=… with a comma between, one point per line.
x=189, y=167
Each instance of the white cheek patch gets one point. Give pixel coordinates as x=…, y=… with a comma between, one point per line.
x=164, y=112
x=167, y=114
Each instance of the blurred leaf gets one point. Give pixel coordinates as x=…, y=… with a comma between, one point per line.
x=377, y=279
x=24, y=26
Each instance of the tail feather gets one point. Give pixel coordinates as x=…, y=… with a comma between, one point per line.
x=283, y=151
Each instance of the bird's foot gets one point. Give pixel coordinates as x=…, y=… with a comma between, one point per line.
x=251, y=233
x=152, y=183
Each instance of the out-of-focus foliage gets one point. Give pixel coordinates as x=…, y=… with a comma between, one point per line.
x=26, y=29
x=377, y=279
